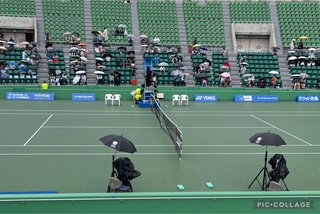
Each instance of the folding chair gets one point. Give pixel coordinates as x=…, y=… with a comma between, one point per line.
x=175, y=98
x=108, y=97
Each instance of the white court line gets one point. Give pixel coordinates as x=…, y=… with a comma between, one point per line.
x=142, y=111
x=38, y=130
x=149, y=154
x=281, y=130
x=184, y=145
x=149, y=127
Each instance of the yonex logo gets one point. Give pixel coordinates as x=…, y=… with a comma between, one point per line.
x=198, y=97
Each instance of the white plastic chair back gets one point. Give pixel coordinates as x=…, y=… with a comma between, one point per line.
x=175, y=98
x=116, y=98
x=106, y=98
x=184, y=99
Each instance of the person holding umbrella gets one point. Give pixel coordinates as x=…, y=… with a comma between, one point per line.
x=274, y=81
x=303, y=82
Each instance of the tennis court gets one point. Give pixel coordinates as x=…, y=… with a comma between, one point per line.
x=55, y=145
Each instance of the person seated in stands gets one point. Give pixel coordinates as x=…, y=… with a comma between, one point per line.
x=262, y=83
x=319, y=83
x=111, y=79
x=48, y=38
x=293, y=44
x=117, y=32
x=318, y=62
x=250, y=81
x=25, y=55
x=311, y=54
x=301, y=62
x=23, y=69
x=117, y=79
x=303, y=82
x=12, y=65
x=292, y=63
x=227, y=64
x=201, y=69
x=228, y=82
x=296, y=83
x=183, y=80
x=156, y=59
x=130, y=41
x=204, y=82
x=63, y=80
x=1, y=36
x=156, y=40
x=96, y=49
x=52, y=79
x=300, y=46
x=99, y=79
x=174, y=59
x=56, y=59
x=222, y=81
x=176, y=80
x=274, y=81
x=311, y=62
x=224, y=52
x=11, y=39
x=50, y=58
x=83, y=79
x=169, y=50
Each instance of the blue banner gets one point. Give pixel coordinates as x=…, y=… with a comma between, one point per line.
x=308, y=99
x=256, y=98
x=205, y=98
x=30, y=96
x=84, y=97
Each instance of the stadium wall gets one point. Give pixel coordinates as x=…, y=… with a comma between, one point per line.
x=180, y=202
x=224, y=94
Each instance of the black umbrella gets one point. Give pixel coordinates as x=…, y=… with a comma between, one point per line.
x=106, y=55
x=122, y=48
x=118, y=143
x=206, y=60
x=131, y=52
x=265, y=139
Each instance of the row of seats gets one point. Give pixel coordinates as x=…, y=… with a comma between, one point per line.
x=17, y=8
x=63, y=16
x=250, y=12
x=159, y=18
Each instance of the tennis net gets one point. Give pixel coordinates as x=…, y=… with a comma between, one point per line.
x=169, y=127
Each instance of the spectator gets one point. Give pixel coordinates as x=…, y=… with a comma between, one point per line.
x=105, y=34
x=24, y=55
x=111, y=79
x=23, y=69
x=303, y=83
x=52, y=79
x=300, y=46
x=195, y=41
x=1, y=36
x=274, y=81
x=293, y=44
x=204, y=82
x=262, y=83
x=11, y=39
x=56, y=59
x=148, y=76
x=100, y=79
x=12, y=65
x=156, y=59
x=227, y=64
x=156, y=40
x=228, y=82
x=250, y=81
x=296, y=83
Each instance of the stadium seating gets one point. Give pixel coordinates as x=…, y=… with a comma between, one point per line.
x=260, y=64
x=298, y=19
x=313, y=74
x=250, y=12
x=110, y=14
x=218, y=60
x=115, y=65
x=15, y=76
x=17, y=8
x=159, y=18
x=63, y=16
x=164, y=78
x=61, y=65
x=196, y=61
x=204, y=22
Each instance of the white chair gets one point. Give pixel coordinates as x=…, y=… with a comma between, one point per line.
x=184, y=99
x=116, y=98
x=107, y=97
x=115, y=185
x=175, y=98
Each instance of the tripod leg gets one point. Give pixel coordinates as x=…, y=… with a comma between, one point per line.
x=285, y=185
x=256, y=178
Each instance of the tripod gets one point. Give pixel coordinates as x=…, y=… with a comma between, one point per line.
x=265, y=172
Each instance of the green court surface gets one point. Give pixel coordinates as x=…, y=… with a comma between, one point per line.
x=55, y=145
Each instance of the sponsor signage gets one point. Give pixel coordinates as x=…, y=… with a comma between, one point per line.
x=205, y=98
x=308, y=99
x=83, y=97
x=256, y=98
x=30, y=96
